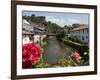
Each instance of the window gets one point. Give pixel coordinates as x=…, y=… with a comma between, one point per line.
x=83, y=31
x=79, y=31
x=87, y=30
x=25, y=39
x=31, y=38
x=79, y=36
x=75, y=36
x=86, y=37
x=82, y=37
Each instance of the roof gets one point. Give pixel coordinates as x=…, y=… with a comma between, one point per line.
x=27, y=26
x=25, y=21
x=80, y=28
x=38, y=26
x=41, y=29
x=27, y=33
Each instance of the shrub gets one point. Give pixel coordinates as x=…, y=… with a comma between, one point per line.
x=72, y=39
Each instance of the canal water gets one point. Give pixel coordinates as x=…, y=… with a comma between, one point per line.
x=55, y=49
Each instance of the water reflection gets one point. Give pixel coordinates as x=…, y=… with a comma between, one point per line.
x=54, y=49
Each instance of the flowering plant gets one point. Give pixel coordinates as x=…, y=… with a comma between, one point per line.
x=30, y=55
x=77, y=56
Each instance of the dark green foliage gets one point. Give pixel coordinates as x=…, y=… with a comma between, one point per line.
x=72, y=39
x=27, y=18
x=51, y=27
x=61, y=34
x=43, y=65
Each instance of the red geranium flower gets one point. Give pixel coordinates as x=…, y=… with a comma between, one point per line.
x=33, y=59
x=30, y=54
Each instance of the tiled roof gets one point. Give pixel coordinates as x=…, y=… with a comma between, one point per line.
x=37, y=25
x=80, y=28
x=27, y=32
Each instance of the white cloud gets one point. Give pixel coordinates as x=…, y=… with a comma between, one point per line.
x=58, y=21
x=61, y=22
x=73, y=21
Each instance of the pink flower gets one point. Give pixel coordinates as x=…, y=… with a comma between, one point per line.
x=77, y=56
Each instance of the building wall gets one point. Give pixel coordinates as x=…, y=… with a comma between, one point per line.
x=37, y=38
x=82, y=35
x=27, y=26
x=26, y=39
x=38, y=32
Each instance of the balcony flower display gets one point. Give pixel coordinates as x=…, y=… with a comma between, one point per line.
x=30, y=55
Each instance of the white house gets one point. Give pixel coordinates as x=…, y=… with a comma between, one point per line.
x=27, y=37
x=33, y=32
x=39, y=33
x=27, y=32
x=81, y=33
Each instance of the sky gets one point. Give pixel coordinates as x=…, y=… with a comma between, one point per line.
x=61, y=18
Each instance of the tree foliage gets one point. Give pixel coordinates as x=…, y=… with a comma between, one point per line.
x=52, y=27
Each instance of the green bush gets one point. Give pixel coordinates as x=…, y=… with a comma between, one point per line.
x=72, y=39
x=43, y=65
x=65, y=62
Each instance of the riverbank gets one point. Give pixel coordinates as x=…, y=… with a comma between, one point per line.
x=78, y=46
x=54, y=49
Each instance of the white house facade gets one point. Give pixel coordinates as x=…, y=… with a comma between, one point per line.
x=27, y=32
x=26, y=40
x=81, y=33
x=39, y=33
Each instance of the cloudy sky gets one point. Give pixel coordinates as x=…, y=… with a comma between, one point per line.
x=61, y=18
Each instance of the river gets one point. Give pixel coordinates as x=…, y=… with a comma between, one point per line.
x=54, y=49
